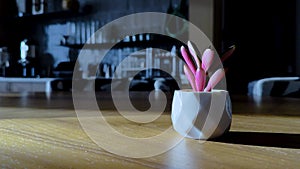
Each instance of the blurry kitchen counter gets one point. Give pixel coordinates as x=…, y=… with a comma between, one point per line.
x=25, y=84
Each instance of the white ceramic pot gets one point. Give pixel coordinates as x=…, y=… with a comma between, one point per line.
x=201, y=115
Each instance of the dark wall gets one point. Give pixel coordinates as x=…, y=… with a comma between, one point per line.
x=8, y=10
x=264, y=33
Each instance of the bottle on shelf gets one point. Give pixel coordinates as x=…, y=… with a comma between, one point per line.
x=4, y=61
x=72, y=5
x=28, y=58
x=23, y=54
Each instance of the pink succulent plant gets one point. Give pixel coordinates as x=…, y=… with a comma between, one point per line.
x=196, y=71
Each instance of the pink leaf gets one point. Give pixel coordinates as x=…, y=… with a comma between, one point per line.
x=194, y=54
x=207, y=59
x=228, y=53
x=214, y=80
x=200, y=79
x=188, y=60
x=190, y=76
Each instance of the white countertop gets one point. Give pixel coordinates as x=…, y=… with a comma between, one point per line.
x=18, y=84
x=20, y=79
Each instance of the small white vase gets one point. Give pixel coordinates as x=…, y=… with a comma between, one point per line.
x=201, y=115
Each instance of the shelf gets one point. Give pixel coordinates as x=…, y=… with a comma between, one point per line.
x=133, y=69
x=165, y=44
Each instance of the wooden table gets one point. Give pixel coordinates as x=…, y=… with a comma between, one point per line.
x=40, y=130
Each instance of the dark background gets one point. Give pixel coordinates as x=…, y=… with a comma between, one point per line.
x=264, y=33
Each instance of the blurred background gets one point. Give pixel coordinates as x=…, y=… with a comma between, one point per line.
x=42, y=39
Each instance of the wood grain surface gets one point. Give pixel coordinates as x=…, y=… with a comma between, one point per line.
x=39, y=130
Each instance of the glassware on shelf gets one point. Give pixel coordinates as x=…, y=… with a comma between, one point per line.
x=72, y=5
x=65, y=39
x=4, y=61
